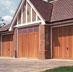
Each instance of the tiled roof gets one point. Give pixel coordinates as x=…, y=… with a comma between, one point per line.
x=44, y=8
x=50, y=12
x=62, y=10
x=5, y=28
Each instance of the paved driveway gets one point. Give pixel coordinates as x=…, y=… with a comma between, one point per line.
x=25, y=65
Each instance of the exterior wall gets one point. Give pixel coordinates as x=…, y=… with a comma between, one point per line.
x=44, y=51
x=24, y=15
x=47, y=42
x=42, y=42
x=15, y=42
x=33, y=16
x=15, y=22
x=28, y=13
x=19, y=18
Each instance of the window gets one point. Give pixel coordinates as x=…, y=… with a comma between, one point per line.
x=30, y=29
x=36, y=29
x=25, y=30
x=20, y=31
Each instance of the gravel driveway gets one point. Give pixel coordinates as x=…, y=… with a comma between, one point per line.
x=28, y=65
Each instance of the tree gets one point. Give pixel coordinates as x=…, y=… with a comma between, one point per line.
x=2, y=23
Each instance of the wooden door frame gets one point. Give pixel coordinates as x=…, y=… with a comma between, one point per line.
x=51, y=33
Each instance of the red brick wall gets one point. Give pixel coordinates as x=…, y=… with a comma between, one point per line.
x=41, y=42
x=47, y=42
x=44, y=41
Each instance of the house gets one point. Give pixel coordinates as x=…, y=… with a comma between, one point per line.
x=39, y=30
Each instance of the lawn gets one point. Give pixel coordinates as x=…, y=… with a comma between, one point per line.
x=61, y=69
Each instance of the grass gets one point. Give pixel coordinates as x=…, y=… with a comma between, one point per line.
x=61, y=69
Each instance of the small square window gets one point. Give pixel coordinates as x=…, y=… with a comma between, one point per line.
x=25, y=30
x=20, y=31
x=36, y=29
x=30, y=29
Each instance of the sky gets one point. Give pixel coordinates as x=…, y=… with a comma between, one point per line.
x=7, y=9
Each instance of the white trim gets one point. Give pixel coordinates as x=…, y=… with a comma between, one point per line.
x=62, y=25
x=26, y=12
x=1, y=44
x=15, y=16
x=22, y=15
x=17, y=20
x=43, y=22
x=27, y=24
x=10, y=28
x=17, y=42
x=31, y=14
x=51, y=43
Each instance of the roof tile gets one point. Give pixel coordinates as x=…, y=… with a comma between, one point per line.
x=62, y=9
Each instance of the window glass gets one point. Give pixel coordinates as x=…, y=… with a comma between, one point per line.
x=25, y=30
x=20, y=31
x=30, y=29
x=36, y=29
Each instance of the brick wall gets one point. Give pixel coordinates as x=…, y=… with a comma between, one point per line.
x=44, y=42
x=41, y=42
x=47, y=42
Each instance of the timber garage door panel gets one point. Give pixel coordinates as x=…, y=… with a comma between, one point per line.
x=7, y=46
x=63, y=42
x=28, y=42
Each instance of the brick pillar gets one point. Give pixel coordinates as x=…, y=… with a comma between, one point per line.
x=47, y=42
x=44, y=42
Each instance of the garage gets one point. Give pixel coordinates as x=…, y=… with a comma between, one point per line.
x=62, y=42
x=7, y=46
x=28, y=42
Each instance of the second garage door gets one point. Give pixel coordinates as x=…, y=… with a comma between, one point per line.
x=7, y=46
x=63, y=42
x=28, y=42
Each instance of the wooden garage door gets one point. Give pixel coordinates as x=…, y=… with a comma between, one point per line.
x=7, y=46
x=63, y=42
x=28, y=42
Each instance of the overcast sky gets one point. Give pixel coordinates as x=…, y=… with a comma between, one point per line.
x=8, y=8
